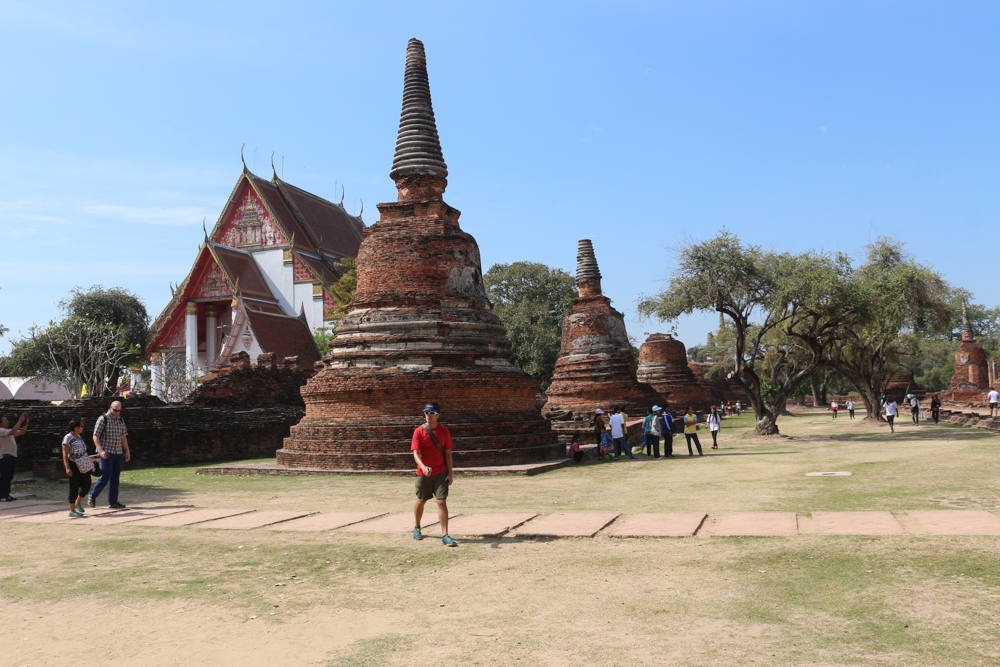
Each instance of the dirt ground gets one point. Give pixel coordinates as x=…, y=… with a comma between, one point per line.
x=132, y=595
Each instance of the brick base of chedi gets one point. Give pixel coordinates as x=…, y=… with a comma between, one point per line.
x=664, y=366
x=595, y=367
x=420, y=328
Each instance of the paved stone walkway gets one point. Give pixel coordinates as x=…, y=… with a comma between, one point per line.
x=528, y=525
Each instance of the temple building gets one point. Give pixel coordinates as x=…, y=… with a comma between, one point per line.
x=260, y=282
x=595, y=368
x=419, y=329
x=971, y=370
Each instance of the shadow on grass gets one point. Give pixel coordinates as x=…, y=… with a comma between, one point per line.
x=928, y=432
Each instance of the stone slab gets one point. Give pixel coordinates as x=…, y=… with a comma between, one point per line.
x=857, y=523
x=113, y=518
x=484, y=525
x=576, y=524
x=190, y=518
x=396, y=523
x=25, y=510
x=958, y=522
x=684, y=524
x=254, y=519
x=752, y=524
x=62, y=514
x=6, y=507
x=326, y=521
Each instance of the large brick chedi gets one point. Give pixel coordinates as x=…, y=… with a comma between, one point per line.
x=664, y=366
x=420, y=328
x=595, y=368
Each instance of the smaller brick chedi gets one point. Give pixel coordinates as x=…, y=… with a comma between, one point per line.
x=419, y=328
x=595, y=367
x=971, y=370
x=664, y=366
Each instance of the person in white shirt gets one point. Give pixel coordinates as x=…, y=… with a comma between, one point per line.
x=915, y=410
x=889, y=408
x=850, y=408
x=714, y=420
x=618, y=434
x=993, y=397
x=834, y=406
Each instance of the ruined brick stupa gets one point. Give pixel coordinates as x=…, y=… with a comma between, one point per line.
x=664, y=366
x=971, y=370
x=595, y=368
x=420, y=328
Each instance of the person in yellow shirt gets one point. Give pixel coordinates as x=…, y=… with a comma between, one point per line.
x=691, y=431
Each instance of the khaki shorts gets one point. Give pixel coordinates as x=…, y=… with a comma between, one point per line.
x=433, y=486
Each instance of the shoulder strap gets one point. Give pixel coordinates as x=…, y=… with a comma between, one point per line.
x=434, y=439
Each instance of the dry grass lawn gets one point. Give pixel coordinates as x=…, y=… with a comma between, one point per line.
x=188, y=596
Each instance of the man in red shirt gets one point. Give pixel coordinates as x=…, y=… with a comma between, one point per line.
x=431, y=448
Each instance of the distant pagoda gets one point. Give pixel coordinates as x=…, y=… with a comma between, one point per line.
x=420, y=328
x=595, y=368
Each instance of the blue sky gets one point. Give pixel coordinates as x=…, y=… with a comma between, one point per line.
x=639, y=125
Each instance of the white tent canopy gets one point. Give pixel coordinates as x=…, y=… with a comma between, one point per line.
x=33, y=389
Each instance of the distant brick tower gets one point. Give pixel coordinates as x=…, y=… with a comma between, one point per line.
x=664, y=366
x=595, y=368
x=420, y=328
x=971, y=370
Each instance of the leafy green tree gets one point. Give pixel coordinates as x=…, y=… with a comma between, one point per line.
x=118, y=307
x=97, y=325
x=342, y=292
x=890, y=298
x=76, y=352
x=531, y=300
x=783, y=309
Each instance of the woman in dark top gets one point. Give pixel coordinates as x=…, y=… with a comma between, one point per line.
x=935, y=408
x=78, y=467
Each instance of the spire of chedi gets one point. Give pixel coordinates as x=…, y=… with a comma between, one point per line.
x=419, y=329
x=595, y=368
x=418, y=167
x=588, y=276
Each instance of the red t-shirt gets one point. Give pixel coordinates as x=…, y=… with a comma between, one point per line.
x=430, y=454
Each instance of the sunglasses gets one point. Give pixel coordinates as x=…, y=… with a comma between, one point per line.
x=430, y=412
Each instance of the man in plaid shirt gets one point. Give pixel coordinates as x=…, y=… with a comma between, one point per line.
x=110, y=439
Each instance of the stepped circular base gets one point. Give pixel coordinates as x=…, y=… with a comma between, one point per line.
x=364, y=418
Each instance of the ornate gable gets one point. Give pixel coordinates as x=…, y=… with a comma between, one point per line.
x=248, y=225
x=211, y=283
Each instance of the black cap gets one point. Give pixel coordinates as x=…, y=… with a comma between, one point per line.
x=432, y=407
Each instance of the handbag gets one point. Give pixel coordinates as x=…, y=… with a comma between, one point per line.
x=84, y=464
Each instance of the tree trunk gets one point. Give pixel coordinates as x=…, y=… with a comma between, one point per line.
x=872, y=407
x=767, y=424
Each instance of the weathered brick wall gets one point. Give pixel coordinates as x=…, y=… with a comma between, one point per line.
x=244, y=412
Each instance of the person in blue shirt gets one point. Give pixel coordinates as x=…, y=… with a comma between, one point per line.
x=667, y=429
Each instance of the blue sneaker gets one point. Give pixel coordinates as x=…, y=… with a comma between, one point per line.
x=417, y=535
x=448, y=542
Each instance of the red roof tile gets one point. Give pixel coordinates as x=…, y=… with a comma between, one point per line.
x=285, y=336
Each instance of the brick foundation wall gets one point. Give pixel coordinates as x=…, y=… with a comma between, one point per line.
x=244, y=412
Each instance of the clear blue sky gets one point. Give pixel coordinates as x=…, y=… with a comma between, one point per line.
x=636, y=124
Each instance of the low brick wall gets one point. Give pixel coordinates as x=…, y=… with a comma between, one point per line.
x=244, y=412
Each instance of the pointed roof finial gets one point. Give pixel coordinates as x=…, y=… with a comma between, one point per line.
x=242, y=159
x=586, y=263
x=966, y=325
x=418, y=149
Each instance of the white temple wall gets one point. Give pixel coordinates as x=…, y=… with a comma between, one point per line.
x=271, y=264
